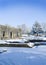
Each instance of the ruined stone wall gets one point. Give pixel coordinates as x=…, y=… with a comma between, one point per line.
x=7, y=32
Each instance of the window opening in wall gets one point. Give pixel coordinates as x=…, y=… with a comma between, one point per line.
x=10, y=34
x=3, y=33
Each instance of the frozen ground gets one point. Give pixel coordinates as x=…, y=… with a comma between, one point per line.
x=23, y=56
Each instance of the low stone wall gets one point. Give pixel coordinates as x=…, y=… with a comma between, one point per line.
x=14, y=45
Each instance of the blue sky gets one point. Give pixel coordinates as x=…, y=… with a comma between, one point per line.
x=17, y=12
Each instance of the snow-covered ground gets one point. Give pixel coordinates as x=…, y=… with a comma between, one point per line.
x=24, y=56
x=2, y=42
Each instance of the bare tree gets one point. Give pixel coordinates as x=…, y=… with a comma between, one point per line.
x=36, y=28
x=44, y=26
x=24, y=28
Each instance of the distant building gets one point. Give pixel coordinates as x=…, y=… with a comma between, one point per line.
x=7, y=32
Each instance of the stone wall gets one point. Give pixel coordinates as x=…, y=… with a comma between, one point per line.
x=7, y=32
